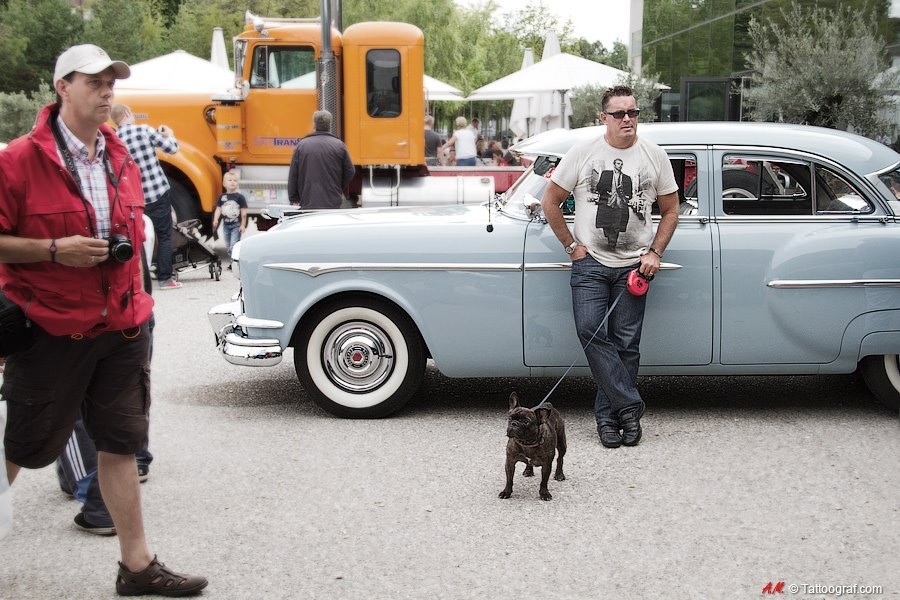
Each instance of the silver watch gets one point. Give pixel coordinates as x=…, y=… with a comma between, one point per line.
x=571, y=247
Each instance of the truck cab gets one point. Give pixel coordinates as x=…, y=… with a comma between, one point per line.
x=374, y=88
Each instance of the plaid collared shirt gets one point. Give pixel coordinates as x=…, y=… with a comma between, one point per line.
x=92, y=174
x=142, y=142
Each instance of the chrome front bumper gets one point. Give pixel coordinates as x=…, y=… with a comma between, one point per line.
x=233, y=341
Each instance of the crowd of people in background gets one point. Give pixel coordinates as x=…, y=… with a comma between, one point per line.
x=468, y=139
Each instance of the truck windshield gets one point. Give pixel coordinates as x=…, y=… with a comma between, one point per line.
x=284, y=67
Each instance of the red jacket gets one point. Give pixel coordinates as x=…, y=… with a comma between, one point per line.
x=40, y=199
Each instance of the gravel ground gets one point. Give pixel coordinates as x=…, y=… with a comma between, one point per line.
x=739, y=482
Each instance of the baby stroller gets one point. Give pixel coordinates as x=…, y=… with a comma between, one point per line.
x=191, y=250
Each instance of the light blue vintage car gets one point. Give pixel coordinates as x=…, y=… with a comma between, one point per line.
x=786, y=260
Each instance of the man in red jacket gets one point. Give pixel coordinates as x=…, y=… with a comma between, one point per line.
x=71, y=215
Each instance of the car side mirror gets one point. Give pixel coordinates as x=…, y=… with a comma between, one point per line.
x=533, y=208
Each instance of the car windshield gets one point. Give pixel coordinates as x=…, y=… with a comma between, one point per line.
x=529, y=188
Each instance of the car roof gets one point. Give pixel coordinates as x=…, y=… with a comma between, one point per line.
x=858, y=153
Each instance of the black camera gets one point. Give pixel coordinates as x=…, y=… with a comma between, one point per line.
x=120, y=247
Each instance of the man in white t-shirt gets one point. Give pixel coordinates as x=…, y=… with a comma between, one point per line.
x=615, y=179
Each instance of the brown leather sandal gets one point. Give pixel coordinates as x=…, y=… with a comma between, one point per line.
x=157, y=579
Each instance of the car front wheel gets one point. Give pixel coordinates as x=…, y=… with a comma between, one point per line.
x=882, y=377
x=360, y=359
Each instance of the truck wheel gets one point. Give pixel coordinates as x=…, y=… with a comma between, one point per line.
x=359, y=358
x=882, y=377
x=183, y=203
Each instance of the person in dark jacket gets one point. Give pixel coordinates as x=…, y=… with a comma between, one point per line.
x=321, y=168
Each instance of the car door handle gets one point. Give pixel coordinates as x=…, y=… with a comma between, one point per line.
x=402, y=143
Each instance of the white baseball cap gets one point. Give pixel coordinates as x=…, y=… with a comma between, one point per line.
x=90, y=60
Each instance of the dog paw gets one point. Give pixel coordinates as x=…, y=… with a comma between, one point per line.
x=559, y=477
x=528, y=472
x=505, y=494
x=545, y=495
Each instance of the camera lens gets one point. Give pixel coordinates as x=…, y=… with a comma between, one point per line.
x=120, y=248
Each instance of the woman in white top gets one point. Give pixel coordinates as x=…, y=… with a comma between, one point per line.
x=463, y=141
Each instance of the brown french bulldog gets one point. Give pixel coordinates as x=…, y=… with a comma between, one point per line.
x=534, y=436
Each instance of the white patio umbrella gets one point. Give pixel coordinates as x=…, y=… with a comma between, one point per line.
x=559, y=74
x=520, y=119
x=550, y=112
x=438, y=90
x=178, y=71
x=217, y=54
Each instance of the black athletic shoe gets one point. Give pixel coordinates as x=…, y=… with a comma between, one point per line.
x=143, y=472
x=83, y=525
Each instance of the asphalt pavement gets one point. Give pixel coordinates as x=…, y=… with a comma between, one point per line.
x=738, y=483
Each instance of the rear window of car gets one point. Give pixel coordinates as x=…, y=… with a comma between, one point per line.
x=786, y=187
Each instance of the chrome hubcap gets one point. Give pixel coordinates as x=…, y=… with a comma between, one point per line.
x=358, y=357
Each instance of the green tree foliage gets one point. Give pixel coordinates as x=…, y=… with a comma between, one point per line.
x=822, y=69
x=126, y=29
x=586, y=100
x=531, y=23
x=32, y=34
x=166, y=10
x=646, y=92
x=466, y=47
x=597, y=52
x=192, y=28
x=586, y=105
x=19, y=110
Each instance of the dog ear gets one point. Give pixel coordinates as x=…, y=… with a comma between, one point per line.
x=513, y=401
x=543, y=413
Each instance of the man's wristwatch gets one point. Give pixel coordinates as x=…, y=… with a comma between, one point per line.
x=571, y=247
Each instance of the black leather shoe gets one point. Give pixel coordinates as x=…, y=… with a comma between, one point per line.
x=630, y=419
x=609, y=436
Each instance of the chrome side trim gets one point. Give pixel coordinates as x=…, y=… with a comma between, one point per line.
x=316, y=269
x=567, y=266
x=796, y=284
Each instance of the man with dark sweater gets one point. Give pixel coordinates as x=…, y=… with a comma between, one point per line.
x=321, y=168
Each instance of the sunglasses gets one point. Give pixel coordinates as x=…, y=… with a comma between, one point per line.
x=620, y=114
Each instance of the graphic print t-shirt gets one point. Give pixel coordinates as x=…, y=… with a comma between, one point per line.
x=614, y=194
x=231, y=205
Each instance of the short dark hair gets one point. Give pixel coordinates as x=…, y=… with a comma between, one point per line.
x=616, y=90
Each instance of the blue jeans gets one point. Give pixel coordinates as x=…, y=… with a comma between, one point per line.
x=231, y=232
x=465, y=162
x=160, y=212
x=614, y=352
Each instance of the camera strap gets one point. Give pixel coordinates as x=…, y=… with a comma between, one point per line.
x=69, y=161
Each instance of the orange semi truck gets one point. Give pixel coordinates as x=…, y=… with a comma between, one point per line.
x=371, y=77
